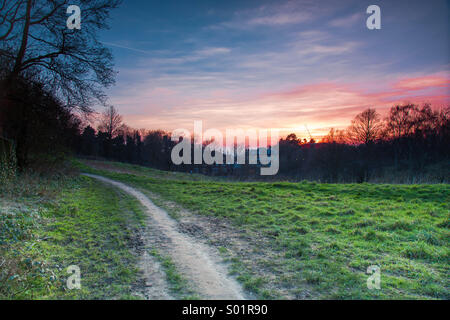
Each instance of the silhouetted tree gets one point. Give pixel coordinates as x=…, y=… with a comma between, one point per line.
x=400, y=120
x=35, y=40
x=39, y=123
x=366, y=127
x=38, y=50
x=88, y=142
x=334, y=159
x=111, y=124
x=334, y=136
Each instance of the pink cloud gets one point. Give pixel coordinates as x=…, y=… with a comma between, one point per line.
x=320, y=106
x=421, y=83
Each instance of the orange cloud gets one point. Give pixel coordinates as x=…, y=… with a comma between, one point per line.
x=320, y=106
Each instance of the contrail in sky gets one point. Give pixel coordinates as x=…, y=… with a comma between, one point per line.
x=125, y=47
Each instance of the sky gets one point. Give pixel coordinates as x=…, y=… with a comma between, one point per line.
x=274, y=64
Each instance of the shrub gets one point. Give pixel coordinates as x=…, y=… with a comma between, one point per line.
x=8, y=162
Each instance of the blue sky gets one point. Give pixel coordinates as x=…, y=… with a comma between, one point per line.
x=274, y=64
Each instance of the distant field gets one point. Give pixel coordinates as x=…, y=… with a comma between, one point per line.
x=319, y=239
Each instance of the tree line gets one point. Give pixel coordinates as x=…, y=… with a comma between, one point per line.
x=410, y=144
x=114, y=140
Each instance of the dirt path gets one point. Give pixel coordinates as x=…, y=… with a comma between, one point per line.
x=198, y=262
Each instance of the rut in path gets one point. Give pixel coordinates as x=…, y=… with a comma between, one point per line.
x=198, y=262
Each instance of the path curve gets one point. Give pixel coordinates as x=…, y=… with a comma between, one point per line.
x=198, y=262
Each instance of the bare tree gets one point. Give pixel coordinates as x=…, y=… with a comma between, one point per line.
x=366, y=127
x=424, y=120
x=400, y=120
x=334, y=136
x=111, y=122
x=35, y=41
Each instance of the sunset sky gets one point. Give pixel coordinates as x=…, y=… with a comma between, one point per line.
x=274, y=64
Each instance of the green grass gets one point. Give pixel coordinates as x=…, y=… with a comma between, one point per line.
x=179, y=286
x=325, y=236
x=150, y=172
x=75, y=221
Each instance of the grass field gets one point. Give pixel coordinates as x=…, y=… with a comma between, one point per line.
x=49, y=224
x=305, y=240
x=321, y=237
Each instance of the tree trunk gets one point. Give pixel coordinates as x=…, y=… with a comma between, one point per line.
x=23, y=44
